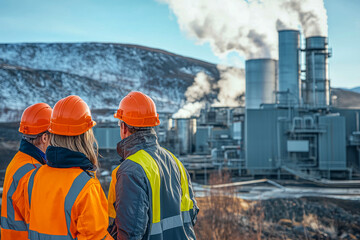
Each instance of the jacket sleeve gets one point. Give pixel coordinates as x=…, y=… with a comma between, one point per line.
x=112, y=195
x=132, y=201
x=195, y=210
x=20, y=199
x=90, y=212
x=111, y=204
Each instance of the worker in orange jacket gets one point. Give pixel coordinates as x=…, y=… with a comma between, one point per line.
x=34, y=124
x=65, y=198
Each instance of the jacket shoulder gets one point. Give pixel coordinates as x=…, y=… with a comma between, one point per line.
x=130, y=167
x=92, y=186
x=19, y=160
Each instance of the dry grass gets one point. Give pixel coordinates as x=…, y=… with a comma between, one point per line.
x=224, y=216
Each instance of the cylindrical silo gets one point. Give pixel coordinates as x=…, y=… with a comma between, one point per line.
x=317, y=80
x=261, y=77
x=289, y=71
x=186, y=128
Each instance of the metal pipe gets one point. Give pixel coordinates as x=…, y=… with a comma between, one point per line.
x=314, y=81
x=279, y=141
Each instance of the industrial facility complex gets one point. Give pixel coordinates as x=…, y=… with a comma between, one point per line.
x=288, y=126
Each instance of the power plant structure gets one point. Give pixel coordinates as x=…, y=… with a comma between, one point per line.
x=287, y=127
x=299, y=132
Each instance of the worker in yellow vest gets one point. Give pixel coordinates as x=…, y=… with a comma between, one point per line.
x=154, y=198
x=34, y=124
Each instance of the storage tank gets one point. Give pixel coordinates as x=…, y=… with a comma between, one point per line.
x=317, y=80
x=289, y=71
x=186, y=128
x=261, y=77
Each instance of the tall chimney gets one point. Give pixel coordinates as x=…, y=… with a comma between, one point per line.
x=317, y=85
x=289, y=70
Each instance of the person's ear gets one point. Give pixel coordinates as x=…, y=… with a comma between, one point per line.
x=45, y=138
x=124, y=128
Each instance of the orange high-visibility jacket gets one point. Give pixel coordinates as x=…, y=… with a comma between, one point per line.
x=13, y=224
x=66, y=200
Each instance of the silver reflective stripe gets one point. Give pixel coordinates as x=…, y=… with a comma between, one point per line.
x=73, y=193
x=170, y=222
x=6, y=223
x=9, y=222
x=31, y=184
x=156, y=228
x=40, y=236
x=186, y=217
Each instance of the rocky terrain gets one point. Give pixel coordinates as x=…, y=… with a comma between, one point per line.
x=224, y=217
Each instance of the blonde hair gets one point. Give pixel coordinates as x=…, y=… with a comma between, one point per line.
x=85, y=143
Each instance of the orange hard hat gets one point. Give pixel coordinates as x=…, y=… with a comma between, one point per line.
x=71, y=117
x=138, y=110
x=35, y=119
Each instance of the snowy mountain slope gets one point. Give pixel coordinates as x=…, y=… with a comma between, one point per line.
x=345, y=98
x=355, y=89
x=100, y=73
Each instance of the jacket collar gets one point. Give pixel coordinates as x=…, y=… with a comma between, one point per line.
x=32, y=151
x=59, y=157
x=137, y=141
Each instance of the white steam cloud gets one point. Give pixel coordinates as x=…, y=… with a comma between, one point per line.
x=189, y=109
x=230, y=88
x=199, y=88
x=247, y=27
x=194, y=96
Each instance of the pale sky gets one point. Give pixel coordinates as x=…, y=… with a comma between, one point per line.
x=152, y=24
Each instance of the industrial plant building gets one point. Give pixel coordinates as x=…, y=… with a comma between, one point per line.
x=287, y=127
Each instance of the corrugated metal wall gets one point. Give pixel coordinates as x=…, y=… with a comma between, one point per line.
x=261, y=133
x=332, y=145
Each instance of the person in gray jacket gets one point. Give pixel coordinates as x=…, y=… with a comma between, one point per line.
x=154, y=195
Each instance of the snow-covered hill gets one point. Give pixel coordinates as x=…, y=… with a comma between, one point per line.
x=355, y=89
x=100, y=73
x=345, y=98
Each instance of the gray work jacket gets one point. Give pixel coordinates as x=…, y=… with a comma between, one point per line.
x=134, y=194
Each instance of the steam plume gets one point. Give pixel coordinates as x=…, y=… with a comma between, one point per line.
x=199, y=89
x=195, y=96
x=230, y=88
x=247, y=27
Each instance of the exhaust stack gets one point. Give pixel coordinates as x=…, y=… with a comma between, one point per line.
x=317, y=86
x=289, y=70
